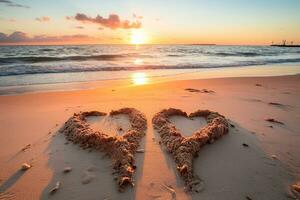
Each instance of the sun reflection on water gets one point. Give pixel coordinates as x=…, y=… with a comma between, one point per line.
x=139, y=78
x=138, y=61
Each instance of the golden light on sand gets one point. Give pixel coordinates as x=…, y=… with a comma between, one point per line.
x=138, y=37
x=139, y=78
x=138, y=61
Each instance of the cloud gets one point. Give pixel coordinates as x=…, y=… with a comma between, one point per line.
x=12, y=4
x=21, y=37
x=69, y=18
x=113, y=21
x=43, y=19
x=137, y=16
x=79, y=27
x=14, y=37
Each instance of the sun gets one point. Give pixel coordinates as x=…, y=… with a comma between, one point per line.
x=139, y=78
x=138, y=37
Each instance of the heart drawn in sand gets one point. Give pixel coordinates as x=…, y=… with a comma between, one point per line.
x=184, y=149
x=120, y=148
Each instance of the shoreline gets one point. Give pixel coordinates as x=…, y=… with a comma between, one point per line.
x=127, y=79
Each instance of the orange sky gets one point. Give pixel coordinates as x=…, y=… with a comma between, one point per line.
x=160, y=22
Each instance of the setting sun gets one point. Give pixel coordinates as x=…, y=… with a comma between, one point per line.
x=139, y=78
x=138, y=37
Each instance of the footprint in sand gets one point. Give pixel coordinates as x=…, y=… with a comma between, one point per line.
x=199, y=91
x=7, y=195
x=87, y=177
x=160, y=191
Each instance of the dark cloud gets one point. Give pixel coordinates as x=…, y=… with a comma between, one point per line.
x=14, y=37
x=12, y=4
x=2, y=36
x=113, y=21
x=21, y=37
x=43, y=19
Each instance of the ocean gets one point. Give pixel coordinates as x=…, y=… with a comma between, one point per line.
x=31, y=65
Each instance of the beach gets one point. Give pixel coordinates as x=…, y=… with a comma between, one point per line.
x=257, y=159
x=149, y=100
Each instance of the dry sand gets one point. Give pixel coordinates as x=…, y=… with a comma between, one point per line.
x=262, y=168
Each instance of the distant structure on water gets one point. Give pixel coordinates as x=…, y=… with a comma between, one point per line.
x=284, y=44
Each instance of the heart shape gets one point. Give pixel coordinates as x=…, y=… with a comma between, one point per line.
x=184, y=149
x=120, y=148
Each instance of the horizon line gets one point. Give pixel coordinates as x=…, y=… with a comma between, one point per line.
x=78, y=44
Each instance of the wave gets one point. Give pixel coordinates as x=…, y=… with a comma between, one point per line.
x=228, y=54
x=46, y=49
x=29, y=69
x=108, y=57
x=35, y=59
x=243, y=54
x=175, y=55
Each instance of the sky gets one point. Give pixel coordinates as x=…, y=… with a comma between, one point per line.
x=225, y=22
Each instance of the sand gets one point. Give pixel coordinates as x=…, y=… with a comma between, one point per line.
x=121, y=148
x=263, y=169
x=184, y=149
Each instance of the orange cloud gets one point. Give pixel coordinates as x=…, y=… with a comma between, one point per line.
x=113, y=21
x=43, y=19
